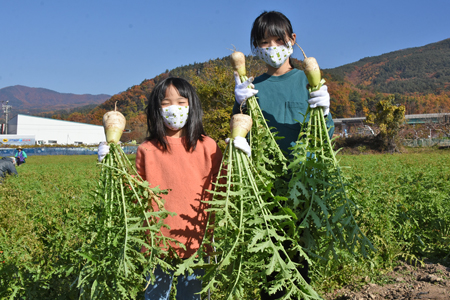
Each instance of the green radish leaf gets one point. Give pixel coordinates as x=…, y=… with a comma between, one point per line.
x=339, y=213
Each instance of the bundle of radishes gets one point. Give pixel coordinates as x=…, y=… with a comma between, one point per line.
x=261, y=219
x=318, y=191
x=126, y=216
x=267, y=157
x=249, y=229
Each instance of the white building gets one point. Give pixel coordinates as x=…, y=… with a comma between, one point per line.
x=51, y=131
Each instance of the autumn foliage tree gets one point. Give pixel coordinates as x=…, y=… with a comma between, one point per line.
x=389, y=118
x=215, y=88
x=138, y=128
x=214, y=83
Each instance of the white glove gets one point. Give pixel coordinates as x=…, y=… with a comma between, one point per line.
x=320, y=98
x=242, y=91
x=242, y=144
x=103, y=149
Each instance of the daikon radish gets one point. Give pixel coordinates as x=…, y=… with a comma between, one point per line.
x=114, y=123
x=240, y=125
x=312, y=72
x=238, y=63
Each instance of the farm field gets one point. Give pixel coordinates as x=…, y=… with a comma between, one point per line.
x=403, y=203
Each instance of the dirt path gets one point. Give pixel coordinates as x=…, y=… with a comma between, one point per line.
x=406, y=282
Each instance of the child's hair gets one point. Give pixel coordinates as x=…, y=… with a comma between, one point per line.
x=270, y=23
x=155, y=125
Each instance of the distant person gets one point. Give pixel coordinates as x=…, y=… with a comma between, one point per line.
x=7, y=167
x=20, y=156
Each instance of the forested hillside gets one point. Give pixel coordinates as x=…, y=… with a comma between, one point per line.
x=415, y=70
x=419, y=78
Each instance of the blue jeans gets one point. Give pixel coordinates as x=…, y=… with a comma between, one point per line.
x=188, y=286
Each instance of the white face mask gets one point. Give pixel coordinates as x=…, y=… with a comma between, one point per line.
x=175, y=116
x=275, y=56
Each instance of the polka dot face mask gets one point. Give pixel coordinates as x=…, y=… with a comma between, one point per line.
x=175, y=116
x=275, y=56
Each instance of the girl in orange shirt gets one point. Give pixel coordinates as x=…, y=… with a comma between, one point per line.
x=177, y=155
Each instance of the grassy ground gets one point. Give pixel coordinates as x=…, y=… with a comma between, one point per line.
x=402, y=200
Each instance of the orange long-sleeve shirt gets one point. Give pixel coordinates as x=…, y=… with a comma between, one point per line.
x=188, y=175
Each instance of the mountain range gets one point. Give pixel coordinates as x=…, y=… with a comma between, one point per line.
x=419, y=78
x=28, y=100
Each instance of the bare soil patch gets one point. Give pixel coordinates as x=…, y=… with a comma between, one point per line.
x=405, y=282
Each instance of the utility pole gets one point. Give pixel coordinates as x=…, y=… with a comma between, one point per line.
x=6, y=109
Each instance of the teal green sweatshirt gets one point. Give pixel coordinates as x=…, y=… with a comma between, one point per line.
x=283, y=101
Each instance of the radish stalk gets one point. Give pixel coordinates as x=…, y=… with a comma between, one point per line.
x=249, y=237
x=114, y=267
x=317, y=189
x=318, y=194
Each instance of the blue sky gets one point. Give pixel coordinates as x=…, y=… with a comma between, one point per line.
x=107, y=46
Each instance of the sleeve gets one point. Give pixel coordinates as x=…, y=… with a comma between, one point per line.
x=12, y=169
x=330, y=125
x=140, y=162
x=24, y=154
x=216, y=162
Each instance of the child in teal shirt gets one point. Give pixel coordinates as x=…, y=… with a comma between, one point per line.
x=281, y=92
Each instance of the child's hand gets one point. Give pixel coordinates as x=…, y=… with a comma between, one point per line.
x=243, y=91
x=320, y=98
x=103, y=149
x=242, y=144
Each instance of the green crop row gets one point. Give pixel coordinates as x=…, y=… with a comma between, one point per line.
x=403, y=203
x=40, y=214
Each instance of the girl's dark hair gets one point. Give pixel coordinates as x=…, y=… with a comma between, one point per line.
x=270, y=23
x=155, y=125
